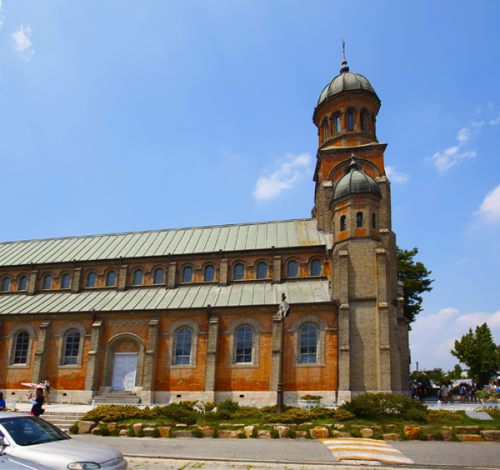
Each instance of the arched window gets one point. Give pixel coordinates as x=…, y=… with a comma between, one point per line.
x=5, y=286
x=261, y=271
x=110, y=279
x=187, y=274
x=308, y=347
x=91, y=280
x=336, y=124
x=292, y=269
x=183, y=343
x=238, y=272
x=350, y=119
x=315, y=268
x=362, y=121
x=158, y=276
x=65, y=281
x=342, y=223
x=137, y=278
x=374, y=221
x=72, y=347
x=23, y=283
x=21, y=348
x=209, y=273
x=47, y=282
x=243, y=345
x=359, y=219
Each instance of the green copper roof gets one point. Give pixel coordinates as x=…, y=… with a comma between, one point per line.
x=345, y=82
x=159, y=298
x=355, y=181
x=185, y=241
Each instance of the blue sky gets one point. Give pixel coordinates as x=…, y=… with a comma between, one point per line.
x=121, y=116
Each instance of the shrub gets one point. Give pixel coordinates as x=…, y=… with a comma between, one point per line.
x=211, y=416
x=178, y=413
x=197, y=433
x=246, y=412
x=322, y=412
x=419, y=416
x=210, y=405
x=74, y=428
x=140, y=433
x=275, y=434
x=272, y=409
x=104, y=430
x=113, y=413
x=188, y=404
x=291, y=434
x=130, y=431
x=295, y=415
x=228, y=405
x=343, y=415
x=311, y=397
x=156, y=433
x=116, y=432
x=255, y=433
x=242, y=435
x=223, y=415
x=443, y=416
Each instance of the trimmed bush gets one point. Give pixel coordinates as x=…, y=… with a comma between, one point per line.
x=140, y=433
x=228, y=405
x=104, y=430
x=156, y=433
x=197, y=433
x=255, y=433
x=246, y=412
x=275, y=434
x=291, y=434
x=130, y=431
x=223, y=415
x=242, y=435
x=74, y=428
x=343, y=415
x=294, y=415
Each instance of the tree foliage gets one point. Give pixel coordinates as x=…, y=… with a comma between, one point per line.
x=415, y=278
x=479, y=353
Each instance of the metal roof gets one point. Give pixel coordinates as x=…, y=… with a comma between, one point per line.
x=345, y=82
x=159, y=298
x=183, y=241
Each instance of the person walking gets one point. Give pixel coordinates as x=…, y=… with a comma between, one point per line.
x=444, y=392
x=451, y=392
x=46, y=390
x=463, y=392
x=36, y=409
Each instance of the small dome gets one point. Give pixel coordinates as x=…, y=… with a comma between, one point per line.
x=355, y=181
x=346, y=81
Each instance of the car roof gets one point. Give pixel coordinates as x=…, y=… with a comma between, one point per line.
x=11, y=414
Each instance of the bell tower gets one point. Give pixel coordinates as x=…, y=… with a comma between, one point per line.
x=353, y=203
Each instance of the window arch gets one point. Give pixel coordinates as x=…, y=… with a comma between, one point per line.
x=71, y=348
x=315, y=268
x=243, y=345
x=239, y=271
x=308, y=347
x=187, y=274
x=47, y=282
x=158, y=276
x=5, y=284
x=183, y=346
x=137, y=277
x=261, y=270
x=342, y=223
x=21, y=347
x=110, y=278
x=209, y=273
x=91, y=280
x=292, y=269
x=22, y=284
x=64, y=283
x=350, y=120
x=374, y=221
x=359, y=220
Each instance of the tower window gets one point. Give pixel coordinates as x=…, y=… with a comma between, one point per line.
x=209, y=274
x=137, y=278
x=359, y=219
x=47, y=282
x=362, y=121
x=23, y=283
x=349, y=121
x=65, y=281
x=110, y=279
x=158, y=276
x=315, y=268
x=261, y=271
x=342, y=223
x=188, y=274
x=91, y=280
x=292, y=269
x=374, y=221
x=5, y=284
x=337, y=125
x=238, y=272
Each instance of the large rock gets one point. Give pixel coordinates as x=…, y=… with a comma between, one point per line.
x=390, y=437
x=412, y=432
x=84, y=427
x=391, y=427
x=491, y=436
x=229, y=434
x=301, y=434
x=366, y=433
x=264, y=435
x=465, y=429
x=123, y=426
x=207, y=431
x=303, y=425
x=282, y=430
x=164, y=431
x=111, y=428
x=181, y=426
x=183, y=434
x=148, y=432
x=340, y=434
x=431, y=437
x=248, y=430
x=137, y=427
x=123, y=432
x=96, y=431
x=470, y=437
x=319, y=432
x=447, y=434
x=339, y=426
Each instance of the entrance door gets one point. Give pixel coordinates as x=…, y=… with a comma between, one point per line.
x=124, y=370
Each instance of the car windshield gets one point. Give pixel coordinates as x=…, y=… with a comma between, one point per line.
x=30, y=430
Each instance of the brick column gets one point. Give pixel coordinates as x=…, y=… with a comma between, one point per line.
x=275, y=358
x=212, y=340
x=223, y=271
x=150, y=361
x=40, y=358
x=32, y=284
x=172, y=270
x=277, y=269
x=93, y=357
x=122, y=280
x=383, y=327
x=344, y=359
x=75, y=284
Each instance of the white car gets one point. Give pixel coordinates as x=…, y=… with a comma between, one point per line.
x=28, y=437
x=7, y=462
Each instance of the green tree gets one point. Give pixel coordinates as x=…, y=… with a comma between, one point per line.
x=415, y=278
x=479, y=353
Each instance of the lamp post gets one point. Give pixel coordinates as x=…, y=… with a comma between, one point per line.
x=283, y=310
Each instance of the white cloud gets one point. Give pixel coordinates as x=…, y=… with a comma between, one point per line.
x=495, y=121
x=491, y=105
x=433, y=336
x=396, y=176
x=22, y=42
x=286, y=173
x=489, y=210
x=2, y=18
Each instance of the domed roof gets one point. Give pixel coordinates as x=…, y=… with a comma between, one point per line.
x=346, y=81
x=355, y=181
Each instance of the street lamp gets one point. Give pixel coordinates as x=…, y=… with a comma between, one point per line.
x=284, y=307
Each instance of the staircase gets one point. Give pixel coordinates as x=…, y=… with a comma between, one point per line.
x=119, y=398
x=62, y=419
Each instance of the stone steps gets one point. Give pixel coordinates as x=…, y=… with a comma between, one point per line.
x=122, y=397
x=62, y=420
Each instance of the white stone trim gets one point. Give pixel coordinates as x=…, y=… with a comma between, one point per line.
x=12, y=336
x=172, y=331
x=257, y=331
x=321, y=348
x=61, y=347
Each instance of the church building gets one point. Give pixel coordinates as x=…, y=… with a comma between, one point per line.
x=189, y=314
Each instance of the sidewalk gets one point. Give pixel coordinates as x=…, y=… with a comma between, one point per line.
x=58, y=407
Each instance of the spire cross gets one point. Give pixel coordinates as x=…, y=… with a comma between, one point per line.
x=343, y=49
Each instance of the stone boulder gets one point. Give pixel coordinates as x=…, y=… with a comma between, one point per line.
x=319, y=432
x=366, y=433
x=340, y=434
x=303, y=425
x=391, y=427
x=390, y=437
x=339, y=426
x=148, y=432
x=207, y=431
x=431, y=437
x=491, y=436
x=470, y=437
x=412, y=432
x=137, y=427
x=229, y=434
x=264, y=435
x=84, y=427
x=183, y=433
x=111, y=428
x=123, y=432
x=96, y=431
x=248, y=430
x=466, y=429
x=301, y=434
x=164, y=431
x=282, y=430
x=123, y=426
x=181, y=426
x=447, y=434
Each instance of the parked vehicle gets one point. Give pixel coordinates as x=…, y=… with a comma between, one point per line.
x=7, y=462
x=34, y=439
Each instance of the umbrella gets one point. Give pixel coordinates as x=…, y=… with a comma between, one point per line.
x=28, y=384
